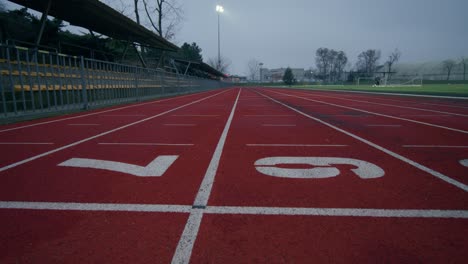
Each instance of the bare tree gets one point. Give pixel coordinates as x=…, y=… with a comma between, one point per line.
x=330, y=63
x=322, y=61
x=221, y=65
x=367, y=61
x=164, y=16
x=137, y=12
x=339, y=63
x=254, y=67
x=392, y=59
x=448, y=65
x=120, y=6
x=463, y=63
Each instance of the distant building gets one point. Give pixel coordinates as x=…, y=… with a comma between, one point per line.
x=276, y=75
x=236, y=79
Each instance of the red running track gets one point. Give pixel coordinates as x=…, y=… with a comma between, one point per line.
x=242, y=185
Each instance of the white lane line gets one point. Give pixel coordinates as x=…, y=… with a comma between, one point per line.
x=389, y=152
x=26, y=143
x=433, y=146
x=292, y=145
x=195, y=218
x=83, y=124
x=196, y=115
x=383, y=125
x=398, y=94
x=95, y=207
x=98, y=113
x=354, y=212
x=103, y=134
x=207, y=184
x=377, y=114
x=180, y=125
x=278, y=125
x=144, y=144
x=187, y=240
x=268, y=115
x=390, y=105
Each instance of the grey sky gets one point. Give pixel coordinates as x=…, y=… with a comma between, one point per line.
x=287, y=33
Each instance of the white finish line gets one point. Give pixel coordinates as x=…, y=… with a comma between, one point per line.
x=248, y=210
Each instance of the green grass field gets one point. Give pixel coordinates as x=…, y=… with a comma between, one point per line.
x=460, y=90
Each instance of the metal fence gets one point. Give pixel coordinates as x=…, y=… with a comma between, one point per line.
x=34, y=81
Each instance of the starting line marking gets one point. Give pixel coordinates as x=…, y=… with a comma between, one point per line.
x=26, y=143
x=144, y=144
x=433, y=146
x=165, y=208
x=292, y=145
x=387, y=151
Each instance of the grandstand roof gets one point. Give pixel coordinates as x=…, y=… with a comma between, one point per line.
x=98, y=17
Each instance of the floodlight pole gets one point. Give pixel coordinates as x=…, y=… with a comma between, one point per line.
x=219, y=41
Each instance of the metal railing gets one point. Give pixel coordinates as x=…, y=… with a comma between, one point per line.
x=34, y=81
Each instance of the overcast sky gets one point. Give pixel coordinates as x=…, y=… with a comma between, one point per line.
x=287, y=33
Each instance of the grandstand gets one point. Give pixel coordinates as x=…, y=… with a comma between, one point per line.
x=34, y=79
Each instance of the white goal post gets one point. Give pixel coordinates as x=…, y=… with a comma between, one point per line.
x=394, y=81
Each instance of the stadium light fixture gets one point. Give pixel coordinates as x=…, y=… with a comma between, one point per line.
x=219, y=10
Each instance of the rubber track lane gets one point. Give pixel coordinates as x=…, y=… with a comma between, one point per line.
x=457, y=120
x=60, y=132
x=445, y=149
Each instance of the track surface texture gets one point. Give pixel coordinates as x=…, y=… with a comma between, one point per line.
x=240, y=175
